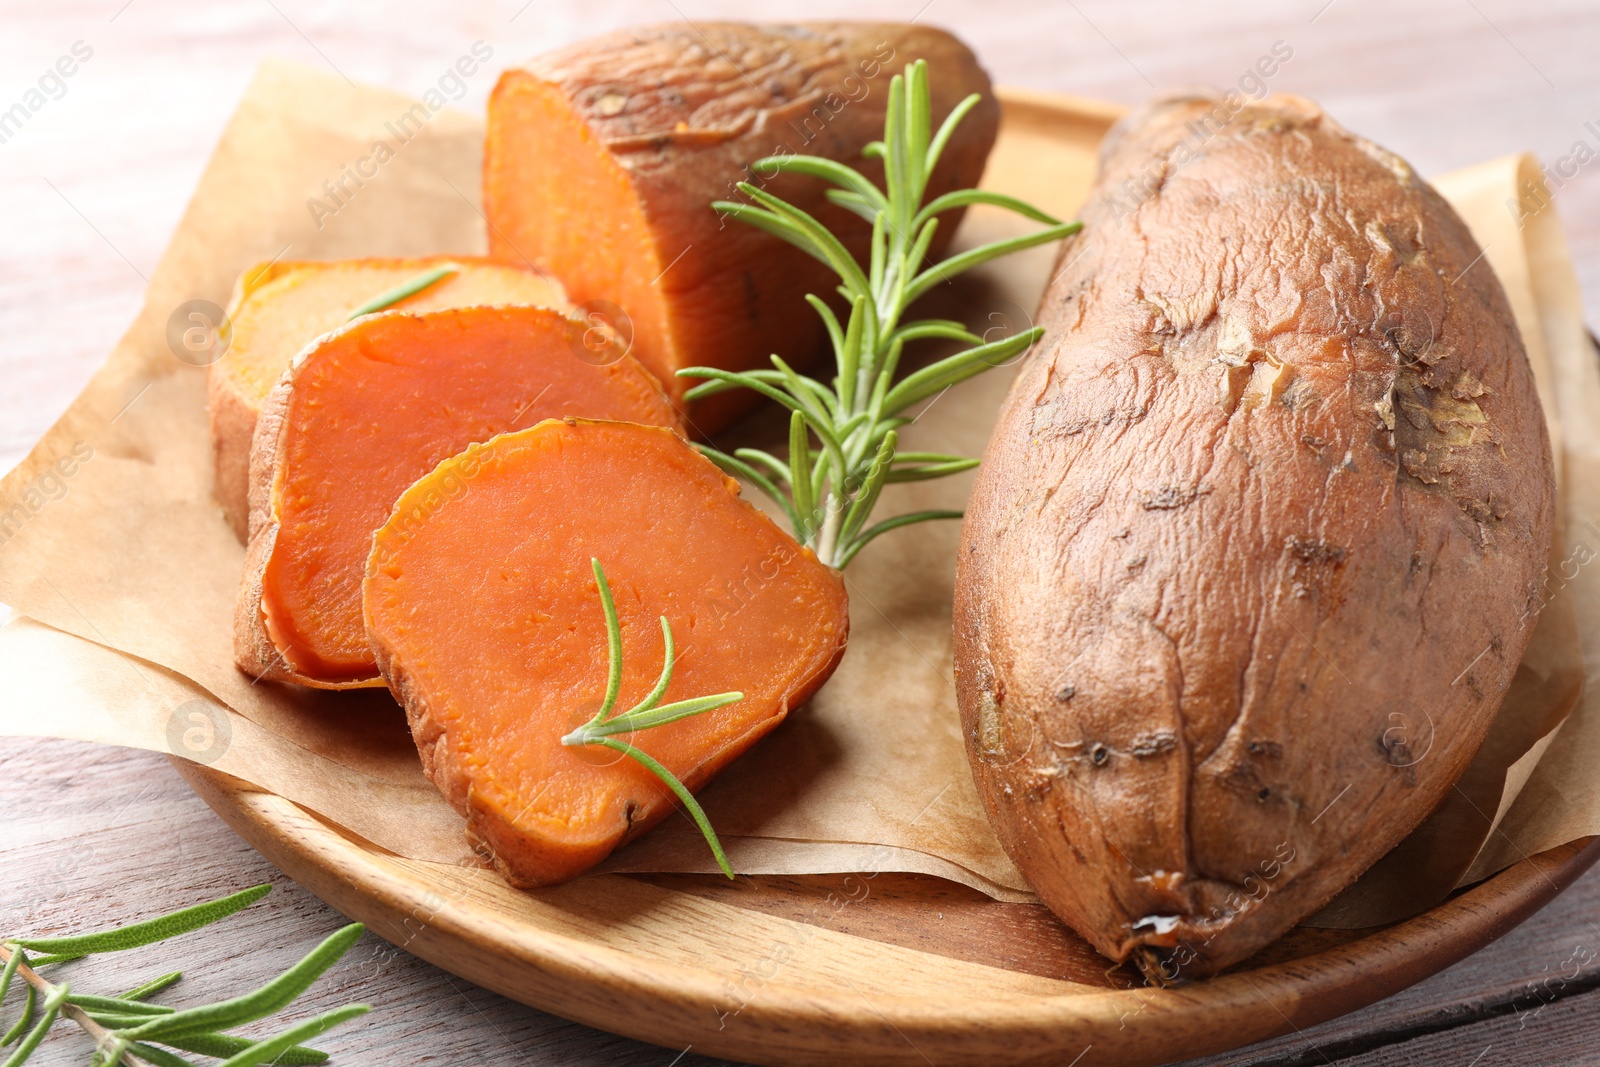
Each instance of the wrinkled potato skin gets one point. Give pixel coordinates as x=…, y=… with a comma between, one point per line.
x=1255, y=548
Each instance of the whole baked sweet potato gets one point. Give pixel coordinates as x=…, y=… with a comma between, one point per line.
x=603, y=159
x=1254, y=550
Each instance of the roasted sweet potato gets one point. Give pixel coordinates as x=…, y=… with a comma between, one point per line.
x=363, y=413
x=603, y=159
x=1255, y=547
x=278, y=308
x=482, y=608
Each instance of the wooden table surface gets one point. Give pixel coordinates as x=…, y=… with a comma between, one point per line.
x=97, y=178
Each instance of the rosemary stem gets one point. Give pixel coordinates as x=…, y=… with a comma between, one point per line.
x=828, y=538
x=589, y=733
x=102, y=1037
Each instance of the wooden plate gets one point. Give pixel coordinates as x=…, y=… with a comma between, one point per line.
x=857, y=969
x=892, y=969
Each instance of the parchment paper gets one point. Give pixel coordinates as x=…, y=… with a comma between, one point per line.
x=126, y=573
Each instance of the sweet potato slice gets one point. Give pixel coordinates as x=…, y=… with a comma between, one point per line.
x=484, y=613
x=362, y=414
x=603, y=159
x=278, y=308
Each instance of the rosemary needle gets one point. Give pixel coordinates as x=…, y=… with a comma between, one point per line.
x=52, y=1005
x=271, y=1049
x=405, y=289
x=25, y=1020
x=269, y=999
x=148, y=932
x=155, y=985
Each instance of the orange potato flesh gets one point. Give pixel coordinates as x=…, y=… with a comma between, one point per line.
x=279, y=308
x=563, y=198
x=486, y=620
x=362, y=415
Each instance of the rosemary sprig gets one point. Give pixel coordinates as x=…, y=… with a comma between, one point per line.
x=393, y=296
x=605, y=727
x=128, y=1030
x=828, y=490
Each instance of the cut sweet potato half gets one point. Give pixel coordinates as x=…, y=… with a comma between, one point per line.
x=279, y=308
x=603, y=159
x=363, y=413
x=483, y=609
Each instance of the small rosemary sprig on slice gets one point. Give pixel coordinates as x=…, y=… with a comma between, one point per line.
x=129, y=1029
x=828, y=492
x=391, y=297
x=604, y=727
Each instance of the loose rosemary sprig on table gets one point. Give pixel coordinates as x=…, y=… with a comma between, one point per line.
x=605, y=727
x=129, y=1030
x=828, y=490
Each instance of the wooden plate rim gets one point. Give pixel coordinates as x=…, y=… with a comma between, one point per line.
x=1304, y=991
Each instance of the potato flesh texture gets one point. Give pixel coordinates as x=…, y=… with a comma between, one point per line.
x=556, y=195
x=303, y=301
x=378, y=407
x=1255, y=538
x=601, y=245
x=276, y=321
x=489, y=610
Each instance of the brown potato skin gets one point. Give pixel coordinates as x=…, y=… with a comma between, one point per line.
x=685, y=110
x=1255, y=548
